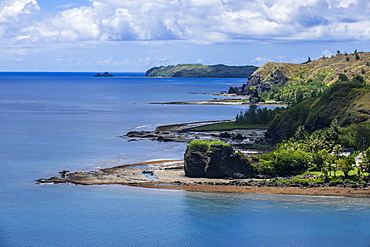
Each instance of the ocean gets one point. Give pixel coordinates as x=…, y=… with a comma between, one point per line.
x=72, y=121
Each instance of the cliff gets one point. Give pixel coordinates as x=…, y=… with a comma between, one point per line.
x=199, y=70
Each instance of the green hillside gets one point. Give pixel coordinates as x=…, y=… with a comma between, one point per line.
x=346, y=101
x=293, y=83
x=199, y=70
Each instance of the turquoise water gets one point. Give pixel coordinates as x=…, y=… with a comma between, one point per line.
x=56, y=121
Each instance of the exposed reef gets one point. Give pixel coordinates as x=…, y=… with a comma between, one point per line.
x=239, y=138
x=169, y=174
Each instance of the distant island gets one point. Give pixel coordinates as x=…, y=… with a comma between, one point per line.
x=200, y=71
x=105, y=74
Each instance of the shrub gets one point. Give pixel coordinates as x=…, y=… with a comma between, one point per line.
x=335, y=181
x=286, y=162
x=349, y=181
x=204, y=146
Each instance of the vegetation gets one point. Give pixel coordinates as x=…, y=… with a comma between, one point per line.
x=199, y=70
x=296, y=93
x=315, y=129
x=255, y=115
x=230, y=125
x=204, y=146
x=253, y=118
x=346, y=101
x=294, y=83
x=319, y=151
x=329, y=113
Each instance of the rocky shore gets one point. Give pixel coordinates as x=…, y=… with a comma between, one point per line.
x=169, y=174
x=242, y=139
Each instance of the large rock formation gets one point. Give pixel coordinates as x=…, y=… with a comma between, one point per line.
x=219, y=162
x=258, y=83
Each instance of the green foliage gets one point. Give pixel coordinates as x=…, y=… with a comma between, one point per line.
x=346, y=101
x=256, y=115
x=345, y=165
x=335, y=181
x=284, y=162
x=343, y=77
x=356, y=136
x=285, y=124
x=228, y=126
x=317, y=151
x=297, y=92
x=203, y=146
x=359, y=78
x=365, y=164
x=357, y=57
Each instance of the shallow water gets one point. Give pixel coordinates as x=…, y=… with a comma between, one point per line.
x=56, y=121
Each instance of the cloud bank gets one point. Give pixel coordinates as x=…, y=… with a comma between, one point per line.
x=23, y=21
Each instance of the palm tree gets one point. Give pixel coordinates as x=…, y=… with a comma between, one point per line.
x=300, y=133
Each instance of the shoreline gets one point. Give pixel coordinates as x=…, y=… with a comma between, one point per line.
x=237, y=100
x=169, y=174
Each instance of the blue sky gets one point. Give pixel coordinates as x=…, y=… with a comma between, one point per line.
x=135, y=35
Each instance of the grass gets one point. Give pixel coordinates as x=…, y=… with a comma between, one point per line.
x=204, y=146
x=338, y=173
x=223, y=126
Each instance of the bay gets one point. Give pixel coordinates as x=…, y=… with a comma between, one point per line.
x=56, y=121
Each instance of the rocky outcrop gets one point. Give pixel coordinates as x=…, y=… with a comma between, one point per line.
x=258, y=83
x=219, y=162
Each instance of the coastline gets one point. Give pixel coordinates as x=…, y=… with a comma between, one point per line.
x=238, y=100
x=169, y=174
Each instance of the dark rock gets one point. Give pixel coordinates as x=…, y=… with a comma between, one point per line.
x=148, y=172
x=220, y=162
x=63, y=173
x=54, y=180
x=238, y=137
x=105, y=74
x=225, y=135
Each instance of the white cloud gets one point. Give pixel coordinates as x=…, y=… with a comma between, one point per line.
x=327, y=53
x=12, y=10
x=193, y=20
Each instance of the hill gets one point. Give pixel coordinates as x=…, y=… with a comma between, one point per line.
x=200, y=70
x=293, y=83
x=346, y=101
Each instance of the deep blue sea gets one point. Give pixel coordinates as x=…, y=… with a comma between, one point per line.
x=71, y=121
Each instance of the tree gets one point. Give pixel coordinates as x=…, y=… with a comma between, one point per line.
x=300, y=133
x=345, y=164
x=287, y=162
x=365, y=163
x=333, y=131
x=343, y=77
x=357, y=57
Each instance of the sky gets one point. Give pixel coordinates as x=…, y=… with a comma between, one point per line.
x=135, y=35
